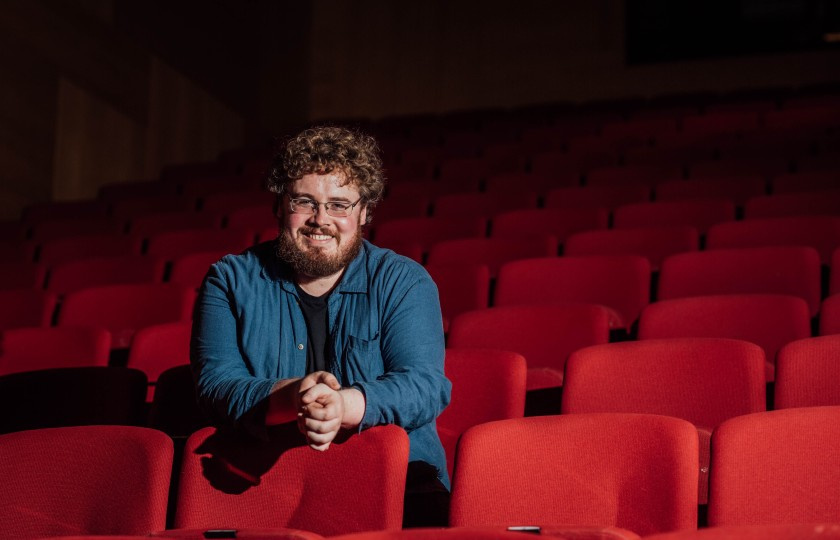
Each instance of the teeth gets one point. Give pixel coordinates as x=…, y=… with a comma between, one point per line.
x=320, y=236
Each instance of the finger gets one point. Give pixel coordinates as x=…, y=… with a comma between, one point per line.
x=319, y=447
x=320, y=438
x=321, y=413
x=318, y=426
x=329, y=379
x=319, y=392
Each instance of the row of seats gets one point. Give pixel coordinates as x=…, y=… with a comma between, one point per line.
x=701, y=380
x=511, y=192
x=471, y=215
x=620, y=282
x=743, y=195
x=636, y=472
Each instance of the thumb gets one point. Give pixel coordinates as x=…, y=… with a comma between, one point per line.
x=330, y=380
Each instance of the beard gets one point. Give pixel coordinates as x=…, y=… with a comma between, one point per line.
x=312, y=261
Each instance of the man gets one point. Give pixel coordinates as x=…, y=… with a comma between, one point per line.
x=320, y=326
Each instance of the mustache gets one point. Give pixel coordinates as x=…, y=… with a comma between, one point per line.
x=316, y=230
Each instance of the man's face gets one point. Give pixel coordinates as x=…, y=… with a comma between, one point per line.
x=320, y=245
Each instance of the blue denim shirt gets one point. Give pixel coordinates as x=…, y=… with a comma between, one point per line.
x=384, y=321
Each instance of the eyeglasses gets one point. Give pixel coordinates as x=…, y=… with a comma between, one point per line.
x=333, y=208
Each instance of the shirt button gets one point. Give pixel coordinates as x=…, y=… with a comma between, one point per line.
x=300, y=346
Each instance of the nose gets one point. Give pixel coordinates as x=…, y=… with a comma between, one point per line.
x=319, y=217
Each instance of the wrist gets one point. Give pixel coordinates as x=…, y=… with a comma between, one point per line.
x=354, y=407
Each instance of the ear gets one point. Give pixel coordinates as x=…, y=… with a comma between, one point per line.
x=363, y=215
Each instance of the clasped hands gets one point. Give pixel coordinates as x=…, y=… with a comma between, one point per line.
x=320, y=408
x=318, y=404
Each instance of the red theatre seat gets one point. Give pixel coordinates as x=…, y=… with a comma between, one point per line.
x=92, y=480
x=637, y=472
x=776, y=467
x=228, y=481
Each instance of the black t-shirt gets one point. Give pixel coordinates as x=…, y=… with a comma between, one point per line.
x=315, y=314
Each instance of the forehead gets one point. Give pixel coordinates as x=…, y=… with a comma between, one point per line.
x=324, y=186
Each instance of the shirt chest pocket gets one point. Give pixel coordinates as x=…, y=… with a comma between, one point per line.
x=361, y=360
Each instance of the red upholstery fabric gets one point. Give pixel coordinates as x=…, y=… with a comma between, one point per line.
x=22, y=275
x=776, y=467
x=768, y=320
x=493, y=252
x=232, y=482
x=71, y=276
x=653, y=243
x=123, y=309
x=148, y=225
x=802, y=531
x=66, y=228
x=597, y=196
x=84, y=480
x=557, y=222
x=830, y=315
x=544, y=334
x=825, y=202
x=157, y=348
x=92, y=245
x=423, y=188
x=17, y=250
x=427, y=231
x=190, y=269
x=765, y=165
x=28, y=349
x=402, y=206
x=620, y=282
x=482, y=204
x=171, y=244
x=567, y=165
x=278, y=533
x=631, y=174
x=512, y=181
x=721, y=122
x=702, y=380
x=779, y=270
x=20, y=308
x=255, y=218
x=808, y=373
x=700, y=214
x=229, y=201
x=637, y=472
x=465, y=172
x=799, y=182
x=495, y=533
x=133, y=207
x=820, y=232
x=487, y=384
x=735, y=188
x=461, y=287
x=53, y=210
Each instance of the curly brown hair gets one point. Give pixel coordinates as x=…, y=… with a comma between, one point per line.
x=325, y=149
